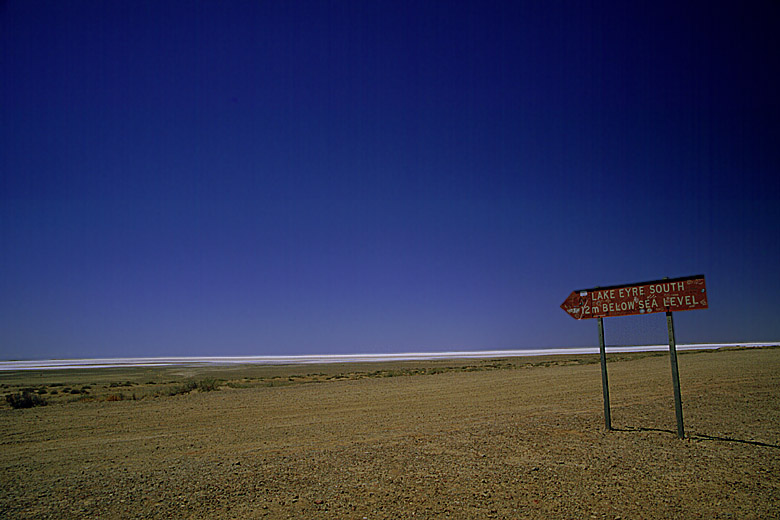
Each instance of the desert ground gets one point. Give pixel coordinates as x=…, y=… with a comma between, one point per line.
x=510, y=438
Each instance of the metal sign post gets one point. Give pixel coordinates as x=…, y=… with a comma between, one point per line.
x=604, y=382
x=675, y=376
x=667, y=295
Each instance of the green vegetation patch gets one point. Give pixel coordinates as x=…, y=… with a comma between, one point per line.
x=25, y=399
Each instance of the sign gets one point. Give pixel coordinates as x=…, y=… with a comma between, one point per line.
x=668, y=295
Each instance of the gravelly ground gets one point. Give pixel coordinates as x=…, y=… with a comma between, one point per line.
x=517, y=443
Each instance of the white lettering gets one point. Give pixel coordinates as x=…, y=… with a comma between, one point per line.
x=631, y=291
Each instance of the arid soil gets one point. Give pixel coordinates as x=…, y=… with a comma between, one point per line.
x=517, y=441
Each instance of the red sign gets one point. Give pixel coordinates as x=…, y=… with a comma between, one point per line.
x=669, y=295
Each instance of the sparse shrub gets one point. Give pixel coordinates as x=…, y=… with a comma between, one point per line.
x=75, y=391
x=204, y=385
x=183, y=389
x=25, y=400
x=41, y=391
x=54, y=392
x=207, y=385
x=115, y=397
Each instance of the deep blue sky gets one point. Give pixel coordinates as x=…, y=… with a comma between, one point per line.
x=236, y=178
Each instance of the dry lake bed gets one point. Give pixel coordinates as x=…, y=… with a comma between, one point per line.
x=498, y=438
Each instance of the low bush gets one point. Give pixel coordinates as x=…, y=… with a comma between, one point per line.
x=25, y=400
x=208, y=384
x=241, y=384
x=183, y=389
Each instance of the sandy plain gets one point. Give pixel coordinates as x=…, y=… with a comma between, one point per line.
x=511, y=438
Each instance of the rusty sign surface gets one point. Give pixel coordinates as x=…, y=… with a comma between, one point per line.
x=668, y=295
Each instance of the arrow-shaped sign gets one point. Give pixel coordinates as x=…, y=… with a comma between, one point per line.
x=668, y=295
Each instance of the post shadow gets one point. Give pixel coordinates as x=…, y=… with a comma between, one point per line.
x=696, y=437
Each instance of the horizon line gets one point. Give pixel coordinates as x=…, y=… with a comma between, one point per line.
x=307, y=359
